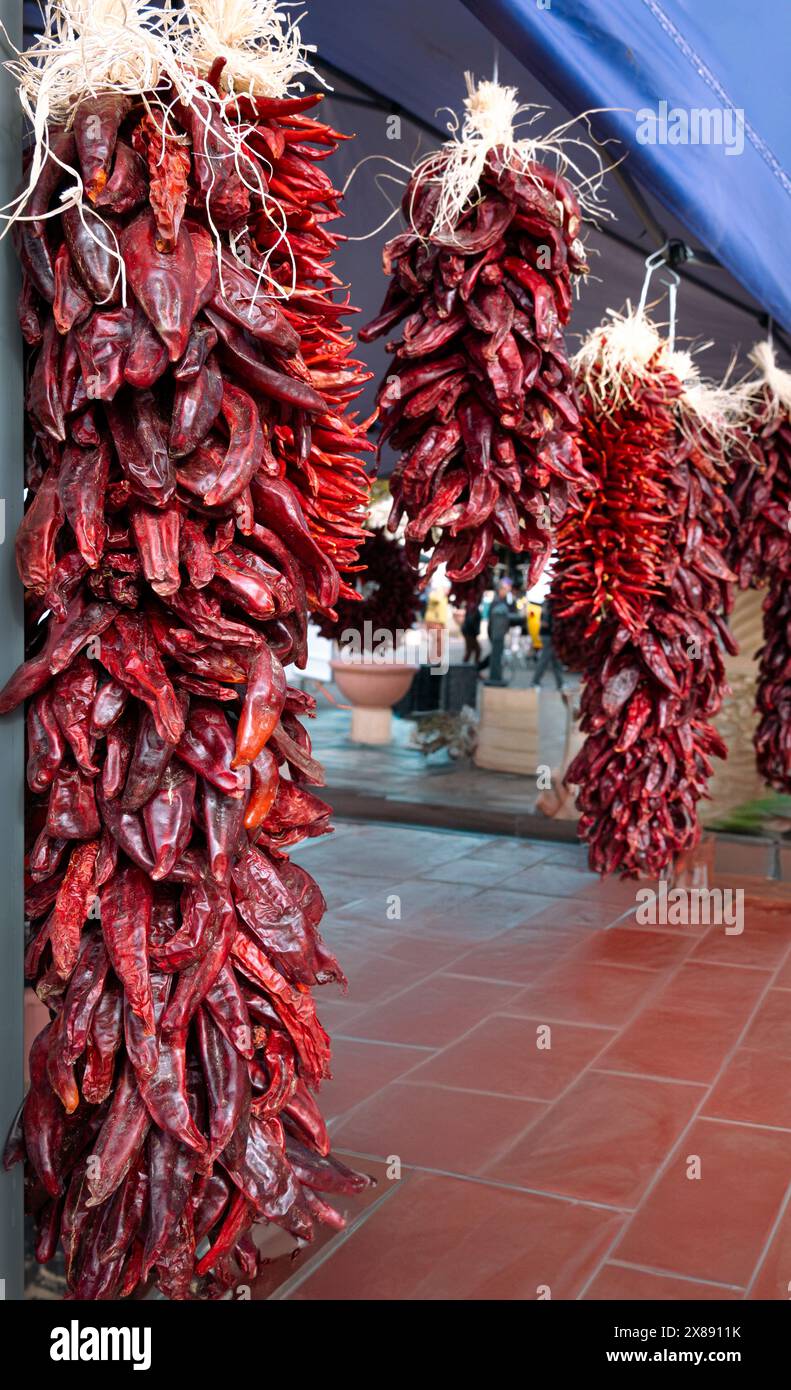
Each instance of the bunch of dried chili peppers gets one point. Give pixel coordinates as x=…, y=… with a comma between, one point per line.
x=644, y=570
x=761, y=553
x=480, y=402
x=193, y=490
x=389, y=597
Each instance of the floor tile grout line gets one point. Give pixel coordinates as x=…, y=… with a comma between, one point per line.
x=589, y=1067
x=731, y=965
x=696, y=1114
x=626, y=913
x=403, y=1080
x=379, y=1042
x=605, y=1259
x=649, y=1076
x=768, y=1242
x=744, y=1124
x=321, y=1257
x=670, y=1274
x=482, y=1180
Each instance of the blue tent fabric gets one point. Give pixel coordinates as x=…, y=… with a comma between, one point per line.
x=415, y=55
x=680, y=59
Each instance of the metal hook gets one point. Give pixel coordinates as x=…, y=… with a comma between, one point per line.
x=652, y=263
x=672, y=297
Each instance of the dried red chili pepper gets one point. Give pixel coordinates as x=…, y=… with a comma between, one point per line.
x=126, y=920
x=760, y=549
x=194, y=486
x=643, y=580
x=501, y=388
x=72, y=905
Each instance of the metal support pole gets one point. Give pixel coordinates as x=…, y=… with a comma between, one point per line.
x=11, y=653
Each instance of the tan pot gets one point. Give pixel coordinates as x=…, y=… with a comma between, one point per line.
x=372, y=690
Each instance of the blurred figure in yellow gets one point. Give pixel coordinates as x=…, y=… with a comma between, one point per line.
x=534, y=625
x=437, y=609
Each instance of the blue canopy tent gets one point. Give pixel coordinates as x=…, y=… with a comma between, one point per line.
x=697, y=87
x=409, y=59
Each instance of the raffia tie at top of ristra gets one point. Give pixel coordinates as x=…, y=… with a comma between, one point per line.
x=261, y=46
x=627, y=355
x=489, y=125
x=97, y=48
x=88, y=48
x=94, y=48
x=773, y=382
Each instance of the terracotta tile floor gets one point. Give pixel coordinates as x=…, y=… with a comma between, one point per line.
x=551, y=1097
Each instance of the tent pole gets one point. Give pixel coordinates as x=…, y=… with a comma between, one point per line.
x=12, y=726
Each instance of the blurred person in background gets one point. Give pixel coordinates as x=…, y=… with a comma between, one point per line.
x=501, y=614
x=437, y=611
x=436, y=619
x=471, y=631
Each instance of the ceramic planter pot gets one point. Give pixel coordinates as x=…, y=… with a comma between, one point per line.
x=372, y=689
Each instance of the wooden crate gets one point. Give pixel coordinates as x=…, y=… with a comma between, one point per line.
x=508, y=731
x=737, y=780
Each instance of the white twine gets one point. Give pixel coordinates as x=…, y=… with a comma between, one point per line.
x=654, y=262
x=262, y=46
x=489, y=123
x=628, y=350
x=88, y=48
x=91, y=48
x=776, y=381
x=623, y=350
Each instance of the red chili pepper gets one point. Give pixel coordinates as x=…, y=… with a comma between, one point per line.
x=126, y=919
x=196, y=406
x=129, y=653
x=37, y=536
x=86, y=987
x=760, y=552
x=71, y=811
x=120, y=1138
x=104, y=1038
x=163, y=282
x=631, y=593
x=139, y=439
x=90, y=243
x=168, y=173
x=195, y=485
x=72, y=906
x=227, y=1083
x=170, y=1174
x=201, y=924
x=96, y=124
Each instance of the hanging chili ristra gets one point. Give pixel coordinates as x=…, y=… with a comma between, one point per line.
x=643, y=579
x=194, y=487
x=760, y=552
x=480, y=402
